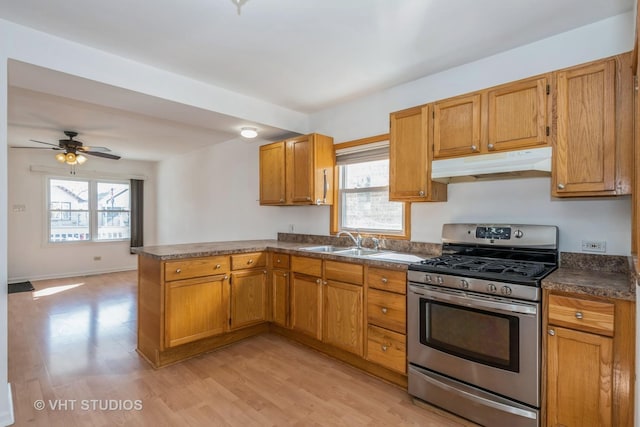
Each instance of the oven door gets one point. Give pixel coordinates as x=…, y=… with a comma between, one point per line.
x=489, y=342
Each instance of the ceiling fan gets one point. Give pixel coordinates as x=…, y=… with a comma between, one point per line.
x=73, y=150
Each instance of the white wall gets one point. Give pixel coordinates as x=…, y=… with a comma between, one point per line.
x=213, y=195
x=30, y=256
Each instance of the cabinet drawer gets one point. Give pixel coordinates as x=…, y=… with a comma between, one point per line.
x=304, y=265
x=387, y=280
x=582, y=314
x=252, y=260
x=187, y=269
x=387, y=348
x=280, y=261
x=387, y=310
x=344, y=272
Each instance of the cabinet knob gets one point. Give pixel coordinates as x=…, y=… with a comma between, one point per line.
x=319, y=281
x=308, y=198
x=552, y=332
x=384, y=310
x=421, y=193
x=560, y=186
x=578, y=315
x=490, y=146
x=384, y=347
x=284, y=275
x=385, y=280
x=178, y=270
x=226, y=277
x=474, y=148
x=281, y=200
x=218, y=266
x=250, y=261
x=278, y=260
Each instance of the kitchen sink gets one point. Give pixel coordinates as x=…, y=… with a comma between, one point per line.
x=358, y=252
x=394, y=256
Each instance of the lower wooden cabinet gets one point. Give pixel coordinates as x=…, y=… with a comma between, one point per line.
x=248, y=298
x=579, y=378
x=195, y=309
x=590, y=359
x=343, y=316
x=306, y=304
x=280, y=297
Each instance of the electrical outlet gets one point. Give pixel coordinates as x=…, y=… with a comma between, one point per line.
x=594, y=246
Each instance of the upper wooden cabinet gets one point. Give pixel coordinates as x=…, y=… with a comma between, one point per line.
x=298, y=171
x=505, y=117
x=410, y=151
x=594, y=129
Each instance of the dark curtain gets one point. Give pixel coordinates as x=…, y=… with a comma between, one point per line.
x=137, y=212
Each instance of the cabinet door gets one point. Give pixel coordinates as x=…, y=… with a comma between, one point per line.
x=579, y=379
x=272, y=174
x=584, y=157
x=408, y=162
x=280, y=297
x=306, y=305
x=300, y=170
x=248, y=298
x=195, y=309
x=343, y=322
x=456, y=126
x=518, y=115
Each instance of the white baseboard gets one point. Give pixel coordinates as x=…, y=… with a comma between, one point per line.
x=70, y=274
x=7, y=418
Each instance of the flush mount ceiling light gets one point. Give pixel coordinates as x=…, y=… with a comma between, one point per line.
x=249, y=132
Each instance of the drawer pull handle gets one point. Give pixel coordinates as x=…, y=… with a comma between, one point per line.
x=250, y=261
x=579, y=315
x=218, y=266
x=384, y=347
x=178, y=270
x=385, y=280
x=384, y=310
x=552, y=332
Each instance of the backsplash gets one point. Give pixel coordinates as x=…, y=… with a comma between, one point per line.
x=603, y=263
x=431, y=249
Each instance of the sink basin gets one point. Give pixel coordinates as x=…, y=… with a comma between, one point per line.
x=323, y=248
x=358, y=252
x=394, y=256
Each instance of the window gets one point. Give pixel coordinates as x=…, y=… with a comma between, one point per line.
x=88, y=210
x=362, y=199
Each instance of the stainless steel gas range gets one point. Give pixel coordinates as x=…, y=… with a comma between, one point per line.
x=474, y=322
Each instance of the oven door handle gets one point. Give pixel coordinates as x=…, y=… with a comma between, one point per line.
x=468, y=301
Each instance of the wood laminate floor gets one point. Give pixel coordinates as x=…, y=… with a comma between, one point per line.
x=72, y=350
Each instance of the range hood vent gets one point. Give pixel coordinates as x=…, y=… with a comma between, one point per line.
x=508, y=164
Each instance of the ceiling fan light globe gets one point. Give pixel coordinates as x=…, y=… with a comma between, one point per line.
x=70, y=158
x=81, y=159
x=61, y=157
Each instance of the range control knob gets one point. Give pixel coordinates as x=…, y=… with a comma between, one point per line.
x=439, y=280
x=518, y=234
x=464, y=284
x=492, y=288
x=505, y=290
x=428, y=278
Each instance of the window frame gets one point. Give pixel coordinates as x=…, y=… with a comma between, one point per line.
x=92, y=211
x=334, y=221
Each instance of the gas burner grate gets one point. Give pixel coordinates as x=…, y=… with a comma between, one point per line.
x=455, y=263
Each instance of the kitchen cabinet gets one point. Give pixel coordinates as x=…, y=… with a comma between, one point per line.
x=306, y=296
x=410, y=152
x=297, y=171
x=280, y=289
x=589, y=361
x=343, y=306
x=248, y=290
x=387, y=318
x=196, y=299
x=594, y=143
x=506, y=117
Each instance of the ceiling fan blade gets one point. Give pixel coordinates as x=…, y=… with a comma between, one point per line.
x=39, y=148
x=46, y=143
x=93, y=148
x=100, y=154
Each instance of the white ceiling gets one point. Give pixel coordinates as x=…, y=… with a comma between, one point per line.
x=305, y=55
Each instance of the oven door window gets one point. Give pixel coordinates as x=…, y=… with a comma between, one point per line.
x=477, y=335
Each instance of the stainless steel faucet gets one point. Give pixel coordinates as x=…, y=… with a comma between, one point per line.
x=357, y=240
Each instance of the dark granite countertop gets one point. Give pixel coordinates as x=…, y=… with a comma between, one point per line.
x=193, y=250
x=598, y=275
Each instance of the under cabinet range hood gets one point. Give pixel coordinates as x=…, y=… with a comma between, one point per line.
x=506, y=164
